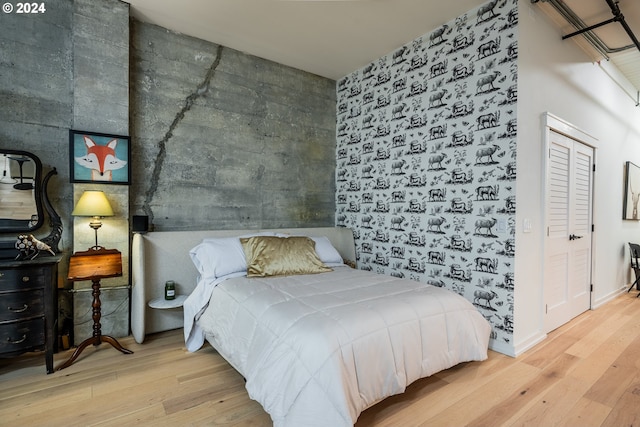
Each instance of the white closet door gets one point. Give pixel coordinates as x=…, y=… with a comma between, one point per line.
x=567, y=288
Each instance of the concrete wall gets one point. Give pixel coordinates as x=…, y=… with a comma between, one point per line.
x=226, y=140
x=219, y=139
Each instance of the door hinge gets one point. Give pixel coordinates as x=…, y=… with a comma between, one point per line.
x=593, y=228
x=546, y=308
x=591, y=288
x=594, y=167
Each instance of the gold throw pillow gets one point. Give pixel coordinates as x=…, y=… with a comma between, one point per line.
x=281, y=256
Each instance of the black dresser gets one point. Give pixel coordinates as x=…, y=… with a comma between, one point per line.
x=29, y=307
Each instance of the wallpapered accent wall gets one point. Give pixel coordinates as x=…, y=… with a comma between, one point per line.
x=426, y=172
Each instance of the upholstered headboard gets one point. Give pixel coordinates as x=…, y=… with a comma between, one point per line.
x=160, y=256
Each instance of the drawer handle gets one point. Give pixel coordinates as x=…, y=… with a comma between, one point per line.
x=10, y=341
x=19, y=310
x=25, y=278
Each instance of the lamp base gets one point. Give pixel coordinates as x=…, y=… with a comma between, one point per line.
x=95, y=224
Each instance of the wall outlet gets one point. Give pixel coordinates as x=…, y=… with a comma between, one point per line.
x=502, y=225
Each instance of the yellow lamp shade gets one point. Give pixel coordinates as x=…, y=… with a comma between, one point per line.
x=93, y=203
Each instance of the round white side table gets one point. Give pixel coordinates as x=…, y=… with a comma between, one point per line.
x=164, y=304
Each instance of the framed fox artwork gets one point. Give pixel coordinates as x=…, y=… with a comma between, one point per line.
x=99, y=158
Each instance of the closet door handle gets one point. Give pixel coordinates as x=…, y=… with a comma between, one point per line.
x=574, y=237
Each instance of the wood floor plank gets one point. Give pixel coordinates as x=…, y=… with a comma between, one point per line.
x=124, y=401
x=594, y=338
x=456, y=405
x=217, y=392
x=603, y=356
x=146, y=416
x=133, y=376
x=586, y=413
x=626, y=411
x=617, y=378
x=551, y=405
x=526, y=394
x=234, y=409
x=36, y=405
x=21, y=395
x=384, y=411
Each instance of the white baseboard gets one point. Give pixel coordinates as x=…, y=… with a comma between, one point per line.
x=610, y=296
x=530, y=342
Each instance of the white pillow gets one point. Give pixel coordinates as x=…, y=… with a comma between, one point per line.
x=326, y=252
x=218, y=256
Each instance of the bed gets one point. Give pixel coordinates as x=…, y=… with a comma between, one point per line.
x=316, y=346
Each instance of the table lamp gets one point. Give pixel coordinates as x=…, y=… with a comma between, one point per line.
x=93, y=203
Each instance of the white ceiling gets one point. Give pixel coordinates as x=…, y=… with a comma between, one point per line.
x=333, y=38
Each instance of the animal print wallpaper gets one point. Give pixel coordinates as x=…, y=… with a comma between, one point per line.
x=426, y=172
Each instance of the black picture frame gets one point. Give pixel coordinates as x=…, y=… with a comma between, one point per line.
x=631, y=192
x=99, y=158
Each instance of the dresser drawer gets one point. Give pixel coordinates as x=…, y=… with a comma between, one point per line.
x=22, y=278
x=21, y=305
x=18, y=336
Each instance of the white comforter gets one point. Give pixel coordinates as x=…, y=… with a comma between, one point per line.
x=316, y=350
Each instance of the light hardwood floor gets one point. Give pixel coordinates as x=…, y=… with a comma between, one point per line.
x=586, y=373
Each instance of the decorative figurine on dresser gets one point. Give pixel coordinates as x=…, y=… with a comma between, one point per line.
x=28, y=265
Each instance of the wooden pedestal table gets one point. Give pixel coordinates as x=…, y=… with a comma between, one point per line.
x=95, y=264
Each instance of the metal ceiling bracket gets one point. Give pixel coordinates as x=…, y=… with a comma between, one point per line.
x=593, y=27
